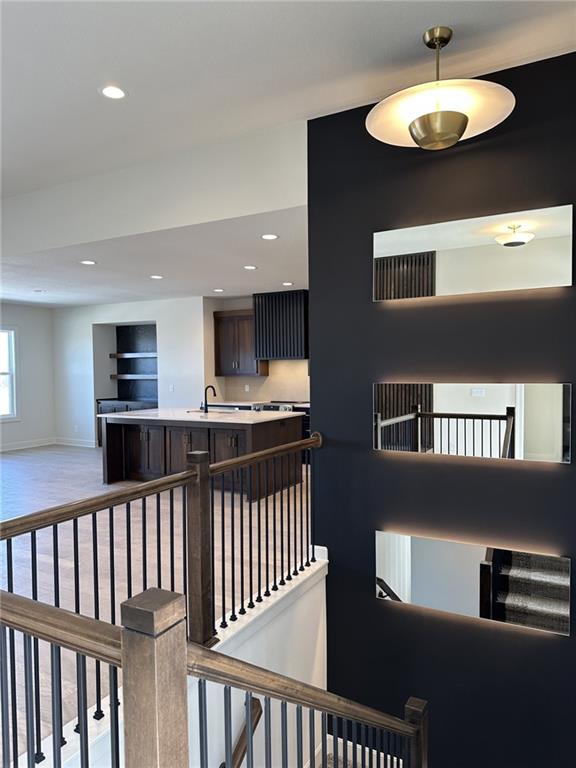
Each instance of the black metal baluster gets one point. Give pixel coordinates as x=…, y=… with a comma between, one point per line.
x=363, y=745
x=281, y=582
x=129, y=549
x=202, y=724
x=172, y=540
x=242, y=610
x=227, y=726
x=82, y=709
x=311, y=739
x=55, y=674
x=259, y=535
x=295, y=509
x=28, y=701
x=354, y=744
x=223, y=623
x=213, y=547
x=184, y=534
x=144, y=545
x=310, y=501
x=4, y=709
x=299, y=743
x=39, y=755
x=76, y=566
x=267, y=528
x=288, y=530
x=249, y=731
x=324, y=737
x=274, y=523
x=268, y=734
x=386, y=747
x=250, y=541
x=284, y=732
x=114, y=730
x=345, y=742
x=301, y=470
x=307, y=503
x=335, y=744
x=98, y=714
x=158, y=540
x=233, y=616
x=12, y=651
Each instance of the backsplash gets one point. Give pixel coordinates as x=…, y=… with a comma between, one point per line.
x=287, y=380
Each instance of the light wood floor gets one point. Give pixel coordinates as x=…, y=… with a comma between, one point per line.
x=37, y=478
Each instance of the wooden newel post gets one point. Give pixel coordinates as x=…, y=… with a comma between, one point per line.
x=416, y=713
x=199, y=551
x=155, y=680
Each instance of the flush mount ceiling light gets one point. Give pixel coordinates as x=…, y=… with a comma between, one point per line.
x=514, y=238
x=270, y=237
x=88, y=262
x=438, y=114
x=112, y=92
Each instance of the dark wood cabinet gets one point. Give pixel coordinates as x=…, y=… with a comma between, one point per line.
x=226, y=444
x=181, y=440
x=281, y=325
x=113, y=405
x=234, y=345
x=144, y=452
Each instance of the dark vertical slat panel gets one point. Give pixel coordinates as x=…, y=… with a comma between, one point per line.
x=405, y=277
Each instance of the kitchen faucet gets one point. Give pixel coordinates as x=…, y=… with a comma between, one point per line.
x=206, y=396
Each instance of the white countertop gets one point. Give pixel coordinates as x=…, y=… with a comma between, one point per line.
x=196, y=415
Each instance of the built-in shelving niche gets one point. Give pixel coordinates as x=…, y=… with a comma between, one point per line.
x=136, y=362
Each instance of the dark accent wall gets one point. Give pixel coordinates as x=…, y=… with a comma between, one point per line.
x=499, y=695
x=137, y=338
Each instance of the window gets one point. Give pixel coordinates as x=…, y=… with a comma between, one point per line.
x=7, y=374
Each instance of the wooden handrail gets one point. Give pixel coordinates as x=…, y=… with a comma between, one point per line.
x=90, y=637
x=248, y=459
x=397, y=419
x=479, y=416
x=64, y=512
x=219, y=668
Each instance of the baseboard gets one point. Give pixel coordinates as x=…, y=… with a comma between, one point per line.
x=75, y=442
x=23, y=444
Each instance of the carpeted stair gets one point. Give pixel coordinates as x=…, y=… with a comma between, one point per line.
x=534, y=590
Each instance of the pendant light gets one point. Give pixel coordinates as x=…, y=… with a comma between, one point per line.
x=438, y=114
x=514, y=238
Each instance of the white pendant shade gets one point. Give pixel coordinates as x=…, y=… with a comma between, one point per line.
x=514, y=239
x=484, y=103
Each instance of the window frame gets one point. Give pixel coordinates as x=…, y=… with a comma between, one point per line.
x=13, y=373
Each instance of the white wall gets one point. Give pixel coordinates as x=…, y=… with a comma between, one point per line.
x=446, y=575
x=180, y=358
x=541, y=263
x=543, y=410
x=35, y=423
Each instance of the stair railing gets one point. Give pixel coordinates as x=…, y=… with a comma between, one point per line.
x=226, y=535
x=151, y=654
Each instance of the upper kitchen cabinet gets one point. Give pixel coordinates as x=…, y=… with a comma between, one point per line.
x=234, y=344
x=281, y=325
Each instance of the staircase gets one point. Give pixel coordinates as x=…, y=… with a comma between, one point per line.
x=532, y=590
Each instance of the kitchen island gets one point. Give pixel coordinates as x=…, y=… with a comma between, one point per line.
x=145, y=445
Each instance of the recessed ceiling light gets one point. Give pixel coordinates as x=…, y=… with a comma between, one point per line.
x=287, y=284
x=156, y=277
x=270, y=237
x=88, y=262
x=112, y=92
x=250, y=266
x=218, y=290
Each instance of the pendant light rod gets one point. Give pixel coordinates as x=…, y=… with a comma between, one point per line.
x=437, y=61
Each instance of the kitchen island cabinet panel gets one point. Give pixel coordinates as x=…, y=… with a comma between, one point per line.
x=180, y=440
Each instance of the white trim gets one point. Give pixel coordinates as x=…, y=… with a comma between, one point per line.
x=75, y=442
x=23, y=444
x=14, y=373
x=238, y=632
x=321, y=553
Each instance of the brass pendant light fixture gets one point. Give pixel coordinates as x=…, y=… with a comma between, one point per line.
x=438, y=114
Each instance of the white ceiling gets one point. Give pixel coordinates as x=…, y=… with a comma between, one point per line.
x=197, y=71
x=193, y=261
x=467, y=233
